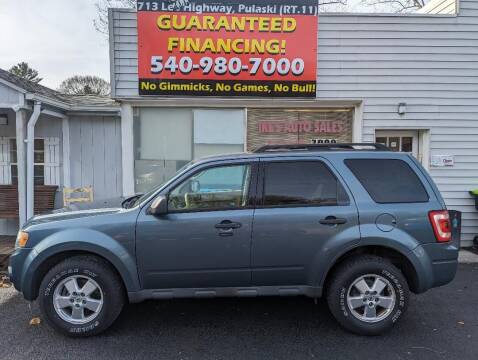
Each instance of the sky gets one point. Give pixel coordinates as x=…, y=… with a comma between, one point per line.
x=56, y=37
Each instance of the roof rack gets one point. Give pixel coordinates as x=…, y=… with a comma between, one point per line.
x=324, y=147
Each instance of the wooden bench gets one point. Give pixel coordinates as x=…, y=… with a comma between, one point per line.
x=44, y=200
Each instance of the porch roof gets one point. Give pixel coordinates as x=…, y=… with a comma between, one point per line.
x=56, y=99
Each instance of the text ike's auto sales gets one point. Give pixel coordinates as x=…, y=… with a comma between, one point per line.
x=228, y=47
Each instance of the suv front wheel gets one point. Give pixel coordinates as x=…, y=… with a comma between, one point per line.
x=81, y=296
x=367, y=295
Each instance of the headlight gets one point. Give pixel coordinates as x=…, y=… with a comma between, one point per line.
x=22, y=239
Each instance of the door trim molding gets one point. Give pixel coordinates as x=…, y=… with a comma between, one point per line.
x=207, y=293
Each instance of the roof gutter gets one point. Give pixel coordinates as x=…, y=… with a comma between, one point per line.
x=72, y=107
x=59, y=104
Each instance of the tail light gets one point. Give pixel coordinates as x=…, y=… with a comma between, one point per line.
x=441, y=224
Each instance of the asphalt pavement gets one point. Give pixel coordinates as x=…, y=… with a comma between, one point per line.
x=441, y=324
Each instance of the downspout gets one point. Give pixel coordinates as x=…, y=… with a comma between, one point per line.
x=20, y=120
x=30, y=158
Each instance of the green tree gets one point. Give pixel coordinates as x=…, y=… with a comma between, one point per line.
x=85, y=85
x=24, y=71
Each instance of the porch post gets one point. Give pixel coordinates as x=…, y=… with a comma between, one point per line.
x=20, y=119
x=66, y=151
x=127, y=149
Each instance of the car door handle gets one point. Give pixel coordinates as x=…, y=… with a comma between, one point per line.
x=228, y=225
x=332, y=220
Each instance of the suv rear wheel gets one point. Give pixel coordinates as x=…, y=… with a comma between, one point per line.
x=81, y=296
x=367, y=295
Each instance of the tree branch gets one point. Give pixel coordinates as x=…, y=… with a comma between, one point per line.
x=102, y=6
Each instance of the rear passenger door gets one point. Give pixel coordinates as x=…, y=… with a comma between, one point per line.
x=393, y=193
x=303, y=213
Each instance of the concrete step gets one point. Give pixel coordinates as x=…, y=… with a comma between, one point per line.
x=467, y=257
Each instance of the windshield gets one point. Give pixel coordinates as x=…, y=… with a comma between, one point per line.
x=145, y=196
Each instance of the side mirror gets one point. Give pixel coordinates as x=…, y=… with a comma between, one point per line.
x=159, y=206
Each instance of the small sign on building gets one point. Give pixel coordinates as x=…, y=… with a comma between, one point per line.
x=324, y=141
x=442, y=160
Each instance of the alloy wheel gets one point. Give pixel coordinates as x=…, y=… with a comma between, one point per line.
x=371, y=298
x=78, y=299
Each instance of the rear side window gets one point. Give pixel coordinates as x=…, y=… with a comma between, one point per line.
x=388, y=181
x=303, y=183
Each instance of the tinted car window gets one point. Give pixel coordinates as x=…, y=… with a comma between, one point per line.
x=224, y=187
x=301, y=183
x=388, y=180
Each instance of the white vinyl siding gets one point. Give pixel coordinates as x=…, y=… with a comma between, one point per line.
x=95, y=155
x=8, y=95
x=429, y=62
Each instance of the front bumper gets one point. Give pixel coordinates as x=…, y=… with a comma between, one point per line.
x=16, y=267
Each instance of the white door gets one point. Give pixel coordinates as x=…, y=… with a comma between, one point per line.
x=399, y=140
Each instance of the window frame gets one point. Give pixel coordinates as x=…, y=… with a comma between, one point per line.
x=412, y=170
x=251, y=196
x=12, y=164
x=260, y=201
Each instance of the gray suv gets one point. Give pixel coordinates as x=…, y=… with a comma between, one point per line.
x=355, y=223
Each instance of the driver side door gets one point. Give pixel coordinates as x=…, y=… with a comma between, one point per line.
x=204, y=240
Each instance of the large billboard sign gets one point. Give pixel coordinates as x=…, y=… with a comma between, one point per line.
x=228, y=47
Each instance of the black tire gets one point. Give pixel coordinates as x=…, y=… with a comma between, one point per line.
x=343, y=278
x=113, y=294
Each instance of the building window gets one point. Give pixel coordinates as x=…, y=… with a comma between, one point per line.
x=399, y=140
x=39, y=159
x=167, y=139
x=298, y=126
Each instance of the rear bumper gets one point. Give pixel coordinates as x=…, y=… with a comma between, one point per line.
x=438, y=264
x=443, y=272
x=443, y=257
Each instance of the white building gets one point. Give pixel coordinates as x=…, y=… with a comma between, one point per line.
x=77, y=142
x=410, y=81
